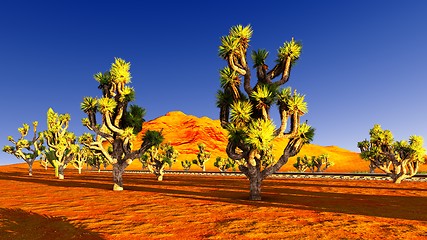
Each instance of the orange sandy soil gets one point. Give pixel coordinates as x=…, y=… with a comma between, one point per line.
x=197, y=207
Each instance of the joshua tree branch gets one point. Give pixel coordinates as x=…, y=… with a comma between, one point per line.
x=292, y=148
x=95, y=128
x=98, y=146
x=283, y=68
x=247, y=82
x=120, y=109
x=286, y=72
x=233, y=65
x=111, y=126
x=284, y=122
x=231, y=152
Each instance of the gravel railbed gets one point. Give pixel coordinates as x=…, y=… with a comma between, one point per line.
x=343, y=176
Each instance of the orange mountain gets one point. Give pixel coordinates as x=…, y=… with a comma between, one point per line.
x=185, y=132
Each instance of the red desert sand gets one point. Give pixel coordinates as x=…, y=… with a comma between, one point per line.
x=205, y=207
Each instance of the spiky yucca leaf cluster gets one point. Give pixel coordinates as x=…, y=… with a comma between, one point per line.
x=240, y=113
x=89, y=104
x=154, y=137
x=292, y=103
x=120, y=71
x=106, y=105
x=237, y=40
x=260, y=134
x=259, y=57
x=263, y=95
x=306, y=133
x=290, y=49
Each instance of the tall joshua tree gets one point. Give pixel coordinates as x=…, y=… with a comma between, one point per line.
x=27, y=150
x=399, y=159
x=246, y=114
x=120, y=122
x=62, y=143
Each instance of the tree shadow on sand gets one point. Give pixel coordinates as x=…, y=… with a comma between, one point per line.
x=276, y=193
x=20, y=224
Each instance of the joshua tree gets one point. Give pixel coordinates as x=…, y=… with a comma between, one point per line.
x=25, y=149
x=157, y=157
x=224, y=163
x=61, y=143
x=95, y=161
x=302, y=163
x=371, y=167
x=44, y=162
x=317, y=163
x=119, y=121
x=246, y=115
x=82, y=156
x=202, y=157
x=399, y=159
x=186, y=165
x=144, y=164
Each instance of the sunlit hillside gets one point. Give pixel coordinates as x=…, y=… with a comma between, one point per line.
x=184, y=132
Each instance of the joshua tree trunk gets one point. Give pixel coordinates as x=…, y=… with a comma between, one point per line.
x=159, y=177
x=255, y=187
x=372, y=167
x=30, y=167
x=56, y=167
x=118, y=170
x=204, y=168
x=44, y=163
x=398, y=179
x=61, y=172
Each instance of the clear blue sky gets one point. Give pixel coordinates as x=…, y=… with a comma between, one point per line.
x=363, y=62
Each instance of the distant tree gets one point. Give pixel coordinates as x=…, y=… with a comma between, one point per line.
x=372, y=167
x=95, y=161
x=202, y=156
x=48, y=156
x=157, y=157
x=319, y=161
x=399, y=159
x=79, y=160
x=62, y=143
x=314, y=163
x=44, y=162
x=144, y=164
x=186, y=165
x=247, y=116
x=91, y=157
x=120, y=122
x=83, y=154
x=223, y=164
x=302, y=163
x=27, y=150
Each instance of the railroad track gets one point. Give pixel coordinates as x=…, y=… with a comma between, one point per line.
x=326, y=175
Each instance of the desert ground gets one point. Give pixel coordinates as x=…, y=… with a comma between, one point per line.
x=205, y=207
